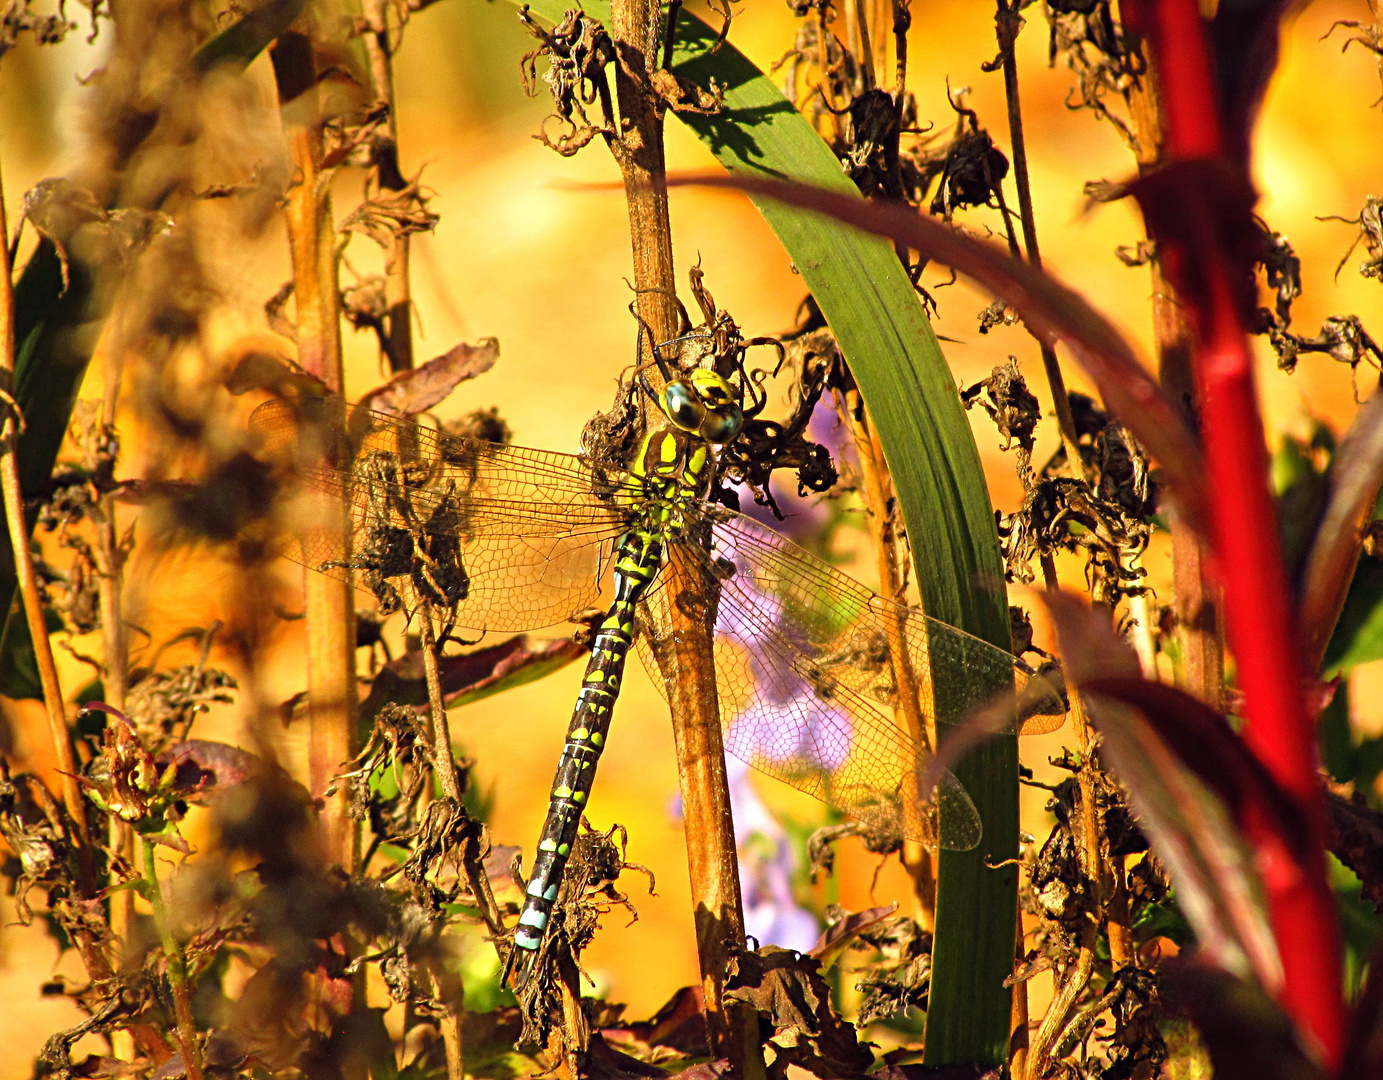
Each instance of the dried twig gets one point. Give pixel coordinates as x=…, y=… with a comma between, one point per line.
x=329, y=600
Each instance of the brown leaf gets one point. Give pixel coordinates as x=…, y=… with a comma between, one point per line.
x=1355, y=837
x=205, y=768
x=679, y=1025
x=789, y=991
x=707, y=1070
x=1355, y=477
x=419, y=389
x=604, y=1062
x=256, y=370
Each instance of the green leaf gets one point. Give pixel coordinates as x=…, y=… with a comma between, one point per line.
x=250, y=35
x=878, y=320
x=58, y=319
x=1358, y=636
x=18, y=665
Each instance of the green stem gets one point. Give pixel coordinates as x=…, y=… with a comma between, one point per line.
x=177, y=969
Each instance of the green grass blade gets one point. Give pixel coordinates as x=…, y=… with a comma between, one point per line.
x=878, y=320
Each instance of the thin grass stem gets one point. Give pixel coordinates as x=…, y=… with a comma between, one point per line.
x=177, y=968
x=444, y=763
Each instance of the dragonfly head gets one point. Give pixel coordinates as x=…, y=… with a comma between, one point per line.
x=702, y=404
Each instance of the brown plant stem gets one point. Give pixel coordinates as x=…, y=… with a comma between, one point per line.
x=823, y=68
x=114, y=678
x=1019, y=1035
x=879, y=504
x=1121, y=947
x=1088, y=846
x=24, y=568
x=857, y=19
x=444, y=764
x=398, y=293
x=1008, y=23
x=902, y=20
x=332, y=694
x=443, y=760
x=1196, y=600
x=687, y=661
x=177, y=968
x=1054, y=1020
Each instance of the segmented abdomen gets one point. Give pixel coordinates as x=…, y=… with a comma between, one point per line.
x=639, y=555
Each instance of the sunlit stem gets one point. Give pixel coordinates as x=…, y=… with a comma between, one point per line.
x=911, y=722
x=177, y=969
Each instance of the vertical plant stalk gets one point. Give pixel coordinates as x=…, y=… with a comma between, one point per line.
x=1008, y=24
x=824, y=33
x=24, y=567
x=857, y=19
x=398, y=294
x=902, y=21
x=1068, y=991
x=114, y=678
x=444, y=763
x=1195, y=596
x=879, y=507
x=687, y=661
x=177, y=968
x=1019, y=1036
x=1259, y=615
x=1077, y=975
x=331, y=683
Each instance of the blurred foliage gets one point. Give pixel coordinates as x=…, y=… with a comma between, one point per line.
x=254, y=956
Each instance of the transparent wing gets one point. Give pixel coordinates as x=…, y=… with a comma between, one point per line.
x=509, y=538
x=808, y=689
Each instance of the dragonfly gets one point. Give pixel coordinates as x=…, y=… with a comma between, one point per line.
x=808, y=661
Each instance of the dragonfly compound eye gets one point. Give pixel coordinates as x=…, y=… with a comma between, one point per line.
x=721, y=425
x=683, y=405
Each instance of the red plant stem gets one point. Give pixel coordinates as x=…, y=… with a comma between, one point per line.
x=1259, y=615
x=1259, y=622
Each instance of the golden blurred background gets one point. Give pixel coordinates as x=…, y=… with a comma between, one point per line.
x=525, y=253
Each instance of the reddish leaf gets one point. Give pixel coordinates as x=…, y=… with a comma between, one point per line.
x=1190, y=827
x=470, y=676
x=679, y=1025
x=1363, y=1058
x=1051, y=310
x=1246, y=1033
x=1205, y=743
x=1194, y=836
x=206, y=768
x=840, y=933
